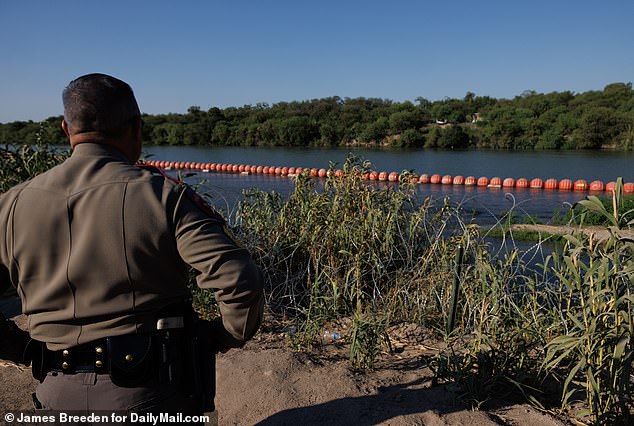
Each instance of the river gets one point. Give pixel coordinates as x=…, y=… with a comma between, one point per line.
x=482, y=205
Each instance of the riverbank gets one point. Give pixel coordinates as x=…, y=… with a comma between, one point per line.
x=599, y=234
x=269, y=384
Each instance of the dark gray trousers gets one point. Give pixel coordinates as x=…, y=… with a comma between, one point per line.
x=86, y=393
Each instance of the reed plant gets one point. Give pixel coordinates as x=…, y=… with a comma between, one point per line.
x=595, y=350
x=22, y=162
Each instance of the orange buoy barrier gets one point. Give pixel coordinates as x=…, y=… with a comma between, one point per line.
x=581, y=185
x=597, y=185
x=537, y=183
x=565, y=185
x=508, y=183
x=551, y=184
x=495, y=182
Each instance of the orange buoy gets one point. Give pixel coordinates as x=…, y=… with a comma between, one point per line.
x=597, y=185
x=392, y=177
x=610, y=186
x=508, y=183
x=383, y=176
x=373, y=175
x=483, y=181
x=424, y=178
x=271, y=170
x=470, y=181
x=277, y=170
x=495, y=182
x=338, y=172
x=581, y=185
x=314, y=172
x=241, y=168
x=446, y=180
x=521, y=183
x=259, y=169
x=291, y=170
x=565, y=185
x=537, y=183
x=235, y=168
x=253, y=169
x=551, y=183
x=628, y=187
x=458, y=180
x=322, y=173
x=213, y=167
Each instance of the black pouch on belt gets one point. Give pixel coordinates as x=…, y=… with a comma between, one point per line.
x=132, y=359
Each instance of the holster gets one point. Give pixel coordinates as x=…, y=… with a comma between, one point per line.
x=204, y=362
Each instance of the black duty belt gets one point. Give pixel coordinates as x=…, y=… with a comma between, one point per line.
x=86, y=358
x=119, y=353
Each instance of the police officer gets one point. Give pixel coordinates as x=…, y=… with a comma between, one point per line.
x=100, y=251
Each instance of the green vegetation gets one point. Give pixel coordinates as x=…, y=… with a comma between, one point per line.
x=20, y=163
x=558, y=120
x=561, y=335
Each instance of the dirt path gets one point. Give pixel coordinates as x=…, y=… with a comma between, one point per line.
x=268, y=384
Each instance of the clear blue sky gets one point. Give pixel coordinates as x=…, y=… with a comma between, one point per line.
x=230, y=53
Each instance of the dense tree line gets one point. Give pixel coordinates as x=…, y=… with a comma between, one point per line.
x=558, y=120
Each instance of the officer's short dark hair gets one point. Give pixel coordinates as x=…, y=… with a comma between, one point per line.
x=99, y=103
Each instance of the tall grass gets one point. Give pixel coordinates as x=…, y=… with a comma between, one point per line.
x=22, y=162
x=380, y=256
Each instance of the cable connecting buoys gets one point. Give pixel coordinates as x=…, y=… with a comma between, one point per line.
x=579, y=185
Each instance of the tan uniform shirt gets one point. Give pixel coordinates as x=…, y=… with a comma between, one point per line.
x=97, y=246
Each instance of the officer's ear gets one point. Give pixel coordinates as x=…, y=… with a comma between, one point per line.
x=65, y=128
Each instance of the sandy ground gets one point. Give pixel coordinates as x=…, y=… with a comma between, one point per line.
x=266, y=383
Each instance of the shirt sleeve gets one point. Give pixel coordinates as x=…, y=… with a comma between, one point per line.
x=223, y=266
